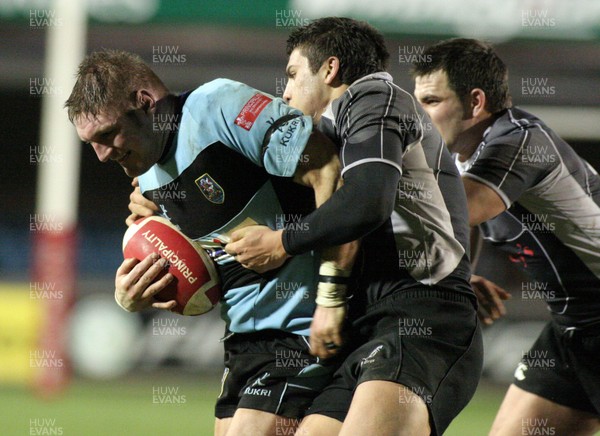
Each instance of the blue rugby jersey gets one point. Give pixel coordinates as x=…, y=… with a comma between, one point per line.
x=229, y=165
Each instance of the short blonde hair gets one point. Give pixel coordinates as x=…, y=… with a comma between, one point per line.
x=108, y=80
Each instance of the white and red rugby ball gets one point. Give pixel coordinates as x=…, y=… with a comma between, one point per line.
x=196, y=286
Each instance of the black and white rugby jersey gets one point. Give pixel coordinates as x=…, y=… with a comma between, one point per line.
x=551, y=228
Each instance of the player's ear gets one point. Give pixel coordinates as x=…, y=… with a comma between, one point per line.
x=144, y=100
x=478, y=102
x=331, y=69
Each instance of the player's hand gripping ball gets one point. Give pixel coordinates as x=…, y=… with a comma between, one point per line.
x=196, y=287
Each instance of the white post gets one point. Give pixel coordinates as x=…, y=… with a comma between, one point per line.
x=54, y=251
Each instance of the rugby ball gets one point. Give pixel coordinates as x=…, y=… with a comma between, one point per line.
x=196, y=286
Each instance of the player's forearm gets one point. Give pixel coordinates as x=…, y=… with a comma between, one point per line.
x=321, y=172
x=363, y=203
x=475, y=246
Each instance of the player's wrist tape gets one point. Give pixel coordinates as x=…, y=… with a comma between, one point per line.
x=333, y=279
x=333, y=283
x=329, y=269
x=331, y=295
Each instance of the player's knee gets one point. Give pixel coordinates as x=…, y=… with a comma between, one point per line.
x=412, y=414
x=249, y=422
x=318, y=425
x=392, y=409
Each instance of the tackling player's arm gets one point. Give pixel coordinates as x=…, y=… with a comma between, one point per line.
x=496, y=179
x=483, y=202
x=372, y=159
x=322, y=174
x=320, y=170
x=312, y=160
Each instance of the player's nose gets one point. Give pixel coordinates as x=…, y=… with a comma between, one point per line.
x=102, y=151
x=287, y=95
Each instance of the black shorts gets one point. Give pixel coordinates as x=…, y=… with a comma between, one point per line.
x=271, y=371
x=427, y=340
x=563, y=366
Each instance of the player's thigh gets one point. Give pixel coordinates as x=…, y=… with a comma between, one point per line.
x=318, y=425
x=376, y=410
x=221, y=426
x=250, y=422
x=525, y=413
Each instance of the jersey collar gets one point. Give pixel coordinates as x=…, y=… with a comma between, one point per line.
x=176, y=107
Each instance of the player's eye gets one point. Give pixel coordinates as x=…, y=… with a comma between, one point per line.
x=430, y=101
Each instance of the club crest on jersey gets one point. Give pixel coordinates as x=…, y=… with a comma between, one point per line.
x=210, y=189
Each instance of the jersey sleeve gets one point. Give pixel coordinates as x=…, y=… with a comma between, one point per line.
x=512, y=164
x=261, y=127
x=376, y=125
x=338, y=220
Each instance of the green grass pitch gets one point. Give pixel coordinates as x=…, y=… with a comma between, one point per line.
x=161, y=405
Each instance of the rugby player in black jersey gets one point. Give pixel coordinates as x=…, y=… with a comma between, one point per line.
x=421, y=353
x=534, y=198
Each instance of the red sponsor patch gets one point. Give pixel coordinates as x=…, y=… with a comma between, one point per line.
x=251, y=110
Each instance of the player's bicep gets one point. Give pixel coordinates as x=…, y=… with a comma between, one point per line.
x=373, y=144
x=484, y=203
x=507, y=166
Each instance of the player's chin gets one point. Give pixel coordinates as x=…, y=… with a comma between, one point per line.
x=134, y=170
x=131, y=172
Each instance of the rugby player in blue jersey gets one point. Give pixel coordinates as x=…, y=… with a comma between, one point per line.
x=535, y=199
x=233, y=151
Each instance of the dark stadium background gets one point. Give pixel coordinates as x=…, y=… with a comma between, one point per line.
x=248, y=46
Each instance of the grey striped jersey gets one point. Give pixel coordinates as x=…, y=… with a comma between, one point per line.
x=551, y=228
x=425, y=241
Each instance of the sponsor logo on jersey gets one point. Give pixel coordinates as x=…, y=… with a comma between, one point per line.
x=257, y=391
x=210, y=189
x=251, y=110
